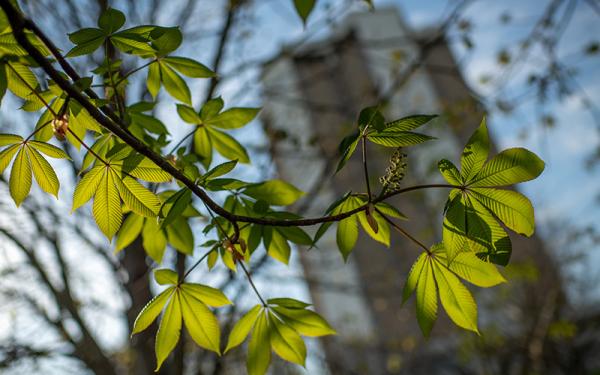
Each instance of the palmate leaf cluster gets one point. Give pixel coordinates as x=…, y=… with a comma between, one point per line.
x=134, y=196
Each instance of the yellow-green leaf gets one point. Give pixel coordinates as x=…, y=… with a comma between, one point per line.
x=10, y=139
x=107, y=205
x=414, y=276
x=274, y=192
x=243, y=327
x=427, y=303
x=200, y=322
x=87, y=186
x=6, y=156
x=43, y=172
x=48, y=149
x=175, y=85
x=456, y=298
x=154, y=240
x=475, y=152
x=168, y=331
x=305, y=322
x=151, y=311
x=511, y=207
x=469, y=267
x=136, y=197
x=20, y=177
x=209, y=296
x=166, y=276
x=286, y=342
x=130, y=230
x=259, y=348
x=228, y=146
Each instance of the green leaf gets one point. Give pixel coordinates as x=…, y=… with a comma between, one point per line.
x=513, y=208
x=43, y=172
x=509, y=167
x=390, y=210
x=20, y=177
x=409, y=122
x=220, y=170
x=456, y=298
x=233, y=118
x=450, y=172
x=131, y=43
x=153, y=79
x=48, y=149
x=21, y=80
x=6, y=156
x=242, y=328
x=296, y=235
x=211, y=108
x=347, y=148
x=208, y=295
x=166, y=277
x=87, y=186
x=10, y=139
x=347, y=231
x=371, y=117
x=276, y=245
x=175, y=205
x=397, y=139
x=227, y=146
x=383, y=229
x=85, y=35
x=175, y=85
x=286, y=342
x=304, y=8
x=289, y=303
x=188, y=114
x=130, y=230
x=427, y=303
x=305, y=322
x=189, y=67
x=414, y=275
x=154, y=240
x=469, y=267
x=137, y=198
x=180, y=236
x=475, y=152
x=201, y=323
x=151, y=311
x=203, y=146
x=259, y=348
x=274, y=192
x=86, y=48
x=107, y=205
x=168, y=331
x=169, y=41
x=111, y=20
x=142, y=168
x=468, y=226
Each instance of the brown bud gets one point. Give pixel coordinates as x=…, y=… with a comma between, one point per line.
x=60, y=126
x=370, y=219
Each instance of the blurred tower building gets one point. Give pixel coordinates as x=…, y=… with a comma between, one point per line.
x=313, y=96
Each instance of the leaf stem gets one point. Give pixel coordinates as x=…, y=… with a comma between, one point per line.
x=252, y=283
x=197, y=263
x=365, y=167
x=404, y=232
